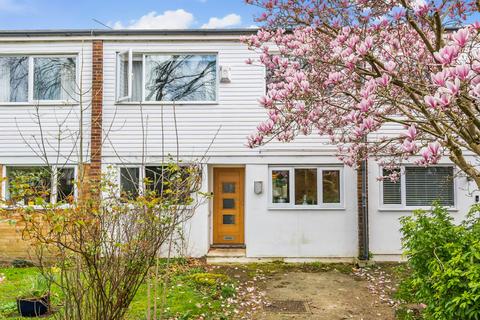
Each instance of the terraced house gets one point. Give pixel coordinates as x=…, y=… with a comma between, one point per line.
x=140, y=95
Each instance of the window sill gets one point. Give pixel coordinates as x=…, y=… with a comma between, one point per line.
x=411, y=209
x=39, y=103
x=160, y=103
x=313, y=208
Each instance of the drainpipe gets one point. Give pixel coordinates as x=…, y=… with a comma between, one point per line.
x=363, y=214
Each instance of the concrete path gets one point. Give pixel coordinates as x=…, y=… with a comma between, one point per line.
x=328, y=295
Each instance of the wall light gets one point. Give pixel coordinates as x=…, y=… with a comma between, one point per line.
x=258, y=187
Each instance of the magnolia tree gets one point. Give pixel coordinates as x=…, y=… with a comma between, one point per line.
x=349, y=68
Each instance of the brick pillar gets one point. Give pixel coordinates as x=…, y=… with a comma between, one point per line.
x=97, y=106
x=1, y=182
x=362, y=206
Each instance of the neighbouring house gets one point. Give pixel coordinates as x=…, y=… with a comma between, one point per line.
x=141, y=89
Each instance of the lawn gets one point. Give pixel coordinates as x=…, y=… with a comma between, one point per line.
x=198, y=291
x=193, y=292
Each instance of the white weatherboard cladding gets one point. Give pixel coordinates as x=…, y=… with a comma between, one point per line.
x=234, y=117
x=20, y=134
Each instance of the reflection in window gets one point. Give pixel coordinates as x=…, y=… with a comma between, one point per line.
x=306, y=186
x=180, y=77
x=13, y=79
x=331, y=186
x=54, y=78
x=29, y=185
x=65, y=184
x=129, y=182
x=280, y=186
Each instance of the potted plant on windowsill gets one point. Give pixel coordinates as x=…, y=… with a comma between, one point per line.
x=35, y=301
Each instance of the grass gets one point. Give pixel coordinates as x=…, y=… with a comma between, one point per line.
x=192, y=292
x=195, y=290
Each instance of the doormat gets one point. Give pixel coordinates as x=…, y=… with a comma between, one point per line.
x=287, y=306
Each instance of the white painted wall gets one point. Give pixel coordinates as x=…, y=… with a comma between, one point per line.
x=20, y=134
x=384, y=224
x=298, y=233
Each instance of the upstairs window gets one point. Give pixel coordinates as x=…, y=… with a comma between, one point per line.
x=54, y=78
x=420, y=187
x=167, y=78
x=13, y=79
x=37, y=78
x=307, y=187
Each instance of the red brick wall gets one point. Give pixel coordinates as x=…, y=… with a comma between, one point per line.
x=97, y=106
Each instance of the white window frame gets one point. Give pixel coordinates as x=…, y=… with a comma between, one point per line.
x=320, y=204
x=145, y=53
x=129, y=54
x=31, y=75
x=403, y=190
x=54, y=186
x=31, y=70
x=141, y=177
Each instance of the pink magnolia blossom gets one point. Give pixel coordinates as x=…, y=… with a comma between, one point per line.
x=411, y=133
x=447, y=54
x=352, y=68
x=431, y=102
x=461, y=37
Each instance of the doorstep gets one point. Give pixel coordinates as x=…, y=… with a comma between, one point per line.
x=223, y=254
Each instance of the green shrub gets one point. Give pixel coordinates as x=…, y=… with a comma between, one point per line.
x=445, y=262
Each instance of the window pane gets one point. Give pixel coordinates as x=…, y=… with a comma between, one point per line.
x=170, y=182
x=280, y=186
x=13, y=79
x=129, y=182
x=306, y=186
x=28, y=185
x=137, y=71
x=181, y=77
x=136, y=77
x=228, y=203
x=65, y=184
x=228, y=187
x=331, y=186
x=123, y=75
x=54, y=78
x=392, y=193
x=426, y=185
x=156, y=180
x=228, y=219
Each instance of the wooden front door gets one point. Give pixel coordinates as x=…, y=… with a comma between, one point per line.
x=228, y=203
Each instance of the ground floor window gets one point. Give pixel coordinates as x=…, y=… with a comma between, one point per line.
x=158, y=180
x=36, y=185
x=419, y=186
x=306, y=186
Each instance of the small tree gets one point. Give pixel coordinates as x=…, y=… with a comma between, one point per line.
x=349, y=69
x=105, y=246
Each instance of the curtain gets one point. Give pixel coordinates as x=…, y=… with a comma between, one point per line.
x=67, y=81
x=4, y=80
x=137, y=81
